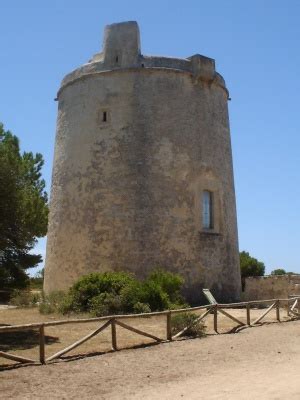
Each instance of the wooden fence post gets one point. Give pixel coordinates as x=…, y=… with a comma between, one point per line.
x=248, y=314
x=278, y=310
x=169, y=326
x=114, y=335
x=42, y=344
x=216, y=318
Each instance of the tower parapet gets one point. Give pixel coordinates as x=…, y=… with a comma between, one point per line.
x=122, y=50
x=121, y=45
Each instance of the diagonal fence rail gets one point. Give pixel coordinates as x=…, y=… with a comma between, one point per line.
x=293, y=310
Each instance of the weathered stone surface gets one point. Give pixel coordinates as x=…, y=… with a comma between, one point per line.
x=136, y=145
x=271, y=287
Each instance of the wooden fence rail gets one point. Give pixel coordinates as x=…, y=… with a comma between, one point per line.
x=115, y=320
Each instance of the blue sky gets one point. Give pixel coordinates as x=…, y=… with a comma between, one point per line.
x=256, y=48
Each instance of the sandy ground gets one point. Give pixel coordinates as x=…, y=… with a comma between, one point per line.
x=256, y=363
x=26, y=343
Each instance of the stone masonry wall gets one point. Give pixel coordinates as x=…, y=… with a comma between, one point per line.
x=271, y=287
x=127, y=191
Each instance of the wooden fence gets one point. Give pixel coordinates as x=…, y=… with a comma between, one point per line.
x=293, y=310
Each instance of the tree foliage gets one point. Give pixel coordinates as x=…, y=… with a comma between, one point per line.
x=23, y=210
x=250, y=266
x=278, y=271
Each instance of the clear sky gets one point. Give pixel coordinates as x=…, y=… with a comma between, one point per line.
x=256, y=45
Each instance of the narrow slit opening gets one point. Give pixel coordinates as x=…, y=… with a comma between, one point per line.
x=104, y=116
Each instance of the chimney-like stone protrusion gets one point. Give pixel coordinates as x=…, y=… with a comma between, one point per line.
x=203, y=67
x=121, y=44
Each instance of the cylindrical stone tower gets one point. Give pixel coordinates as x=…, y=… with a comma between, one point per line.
x=142, y=172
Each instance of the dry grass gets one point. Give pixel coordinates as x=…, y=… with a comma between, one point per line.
x=58, y=337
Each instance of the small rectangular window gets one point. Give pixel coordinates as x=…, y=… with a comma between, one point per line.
x=207, y=210
x=104, y=116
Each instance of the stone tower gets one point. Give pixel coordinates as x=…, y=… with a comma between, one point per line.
x=142, y=172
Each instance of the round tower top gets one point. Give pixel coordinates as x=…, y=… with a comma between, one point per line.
x=122, y=51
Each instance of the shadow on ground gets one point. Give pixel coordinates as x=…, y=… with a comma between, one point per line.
x=23, y=340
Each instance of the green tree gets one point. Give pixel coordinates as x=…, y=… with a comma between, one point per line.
x=250, y=266
x=278, y=271
x=23, y=210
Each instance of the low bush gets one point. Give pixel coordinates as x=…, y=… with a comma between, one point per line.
x=105, y=304
x=169, y=282
x=55, y=302
x=195, y=328
x=120, y=292
x=24, y=298
x=154, y=295
x=141, y=308
x=93, y=285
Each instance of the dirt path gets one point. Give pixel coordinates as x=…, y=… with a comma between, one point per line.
x=257, y=363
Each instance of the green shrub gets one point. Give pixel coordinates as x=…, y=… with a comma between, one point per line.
x=116, y=293
x=154, y=295
x=177, y=306
x=24, y=298
x=146, y=292
x=54, y=302
x=170, y=283
x=105, y=304
x=195, y=328
x=141, y=308
x=46, y=308
x=92, y=285
x=130, y=295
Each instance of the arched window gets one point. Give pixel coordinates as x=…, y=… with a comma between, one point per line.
x=207, y=210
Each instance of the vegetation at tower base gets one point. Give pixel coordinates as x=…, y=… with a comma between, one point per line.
x=23, y=211
x=118, y=292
